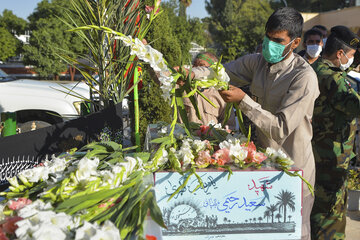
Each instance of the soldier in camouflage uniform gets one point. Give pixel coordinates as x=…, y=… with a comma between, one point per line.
x=334, y=129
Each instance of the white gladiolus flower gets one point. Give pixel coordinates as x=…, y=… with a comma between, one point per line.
x=86, y=169
x=185, y=153
x=198, y=145
x=49, y=231
x=62, y=220
x=25, y=229
x=237, y=153
x=127, y=40
x=13, y=181
x=108, y=232
x=33, y=208
x=164, y=158
x=36, y=174
x=138, y=49
x=56, y=165
x=129, y=165
x=2, y=216
x=86, y=231
x=271, y=153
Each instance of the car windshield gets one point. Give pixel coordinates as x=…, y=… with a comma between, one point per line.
x=4, y=77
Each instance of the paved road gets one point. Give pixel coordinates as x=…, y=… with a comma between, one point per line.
x=353, y=225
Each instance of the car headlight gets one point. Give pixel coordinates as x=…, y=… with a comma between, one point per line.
x=77, y=106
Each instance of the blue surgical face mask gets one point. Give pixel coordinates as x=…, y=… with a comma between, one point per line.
x=273, y=51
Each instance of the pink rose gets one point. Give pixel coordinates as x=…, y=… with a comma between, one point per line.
x=18, y=204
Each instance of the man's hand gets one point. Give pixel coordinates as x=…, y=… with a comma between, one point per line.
x=181, y=69
x=234, y=94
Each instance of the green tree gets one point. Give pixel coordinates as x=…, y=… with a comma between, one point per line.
x=13, y=23
x=49, y=35
x=286, y=200
x=8, y=44
x=183, y=5
x=312, y=5
x=185, y=29
x=237, y=26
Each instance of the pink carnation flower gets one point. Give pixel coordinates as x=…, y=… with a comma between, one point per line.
x=221, y=156
x=18, y=204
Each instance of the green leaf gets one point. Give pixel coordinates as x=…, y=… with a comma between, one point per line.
x=155, y=211
x=161, y=140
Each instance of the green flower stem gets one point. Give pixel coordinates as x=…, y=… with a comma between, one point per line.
x=296, y=174
x=191, y=172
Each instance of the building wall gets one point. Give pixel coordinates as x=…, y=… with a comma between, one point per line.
x=349, y=17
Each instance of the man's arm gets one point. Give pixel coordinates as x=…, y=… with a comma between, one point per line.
x=240, y=70
x=296, y=103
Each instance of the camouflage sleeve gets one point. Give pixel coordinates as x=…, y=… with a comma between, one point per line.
x=342, y=96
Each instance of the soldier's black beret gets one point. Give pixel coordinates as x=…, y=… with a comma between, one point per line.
x=346, y=36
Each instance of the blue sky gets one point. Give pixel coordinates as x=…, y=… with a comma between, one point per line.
x=23, y=8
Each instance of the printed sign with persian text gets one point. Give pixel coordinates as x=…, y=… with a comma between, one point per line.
x=262, y=204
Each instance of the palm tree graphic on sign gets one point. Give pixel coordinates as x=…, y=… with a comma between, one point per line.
x=286, y=200
x=272, y=209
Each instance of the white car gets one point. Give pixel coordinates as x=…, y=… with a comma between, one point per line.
x=40, y=103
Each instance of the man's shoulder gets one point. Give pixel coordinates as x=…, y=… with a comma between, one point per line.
x=303, y=68
x=324, y=71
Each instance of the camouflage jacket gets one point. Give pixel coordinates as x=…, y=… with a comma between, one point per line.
x=334, y=122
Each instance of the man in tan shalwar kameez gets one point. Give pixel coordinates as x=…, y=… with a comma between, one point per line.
x=284, y=87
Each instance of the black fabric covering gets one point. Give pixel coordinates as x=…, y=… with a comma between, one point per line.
x=19, y=152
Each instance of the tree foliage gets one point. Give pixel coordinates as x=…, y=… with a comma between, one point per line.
x=49, y=34
x=185, y=29
x=13, y=23
x=8, y=44
x=312, y=5
x=237, y=26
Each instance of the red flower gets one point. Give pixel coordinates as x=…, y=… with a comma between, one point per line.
x=20, y=203
x=204, y=130
x=10, y=226
x=150, y=237
x=2, y=235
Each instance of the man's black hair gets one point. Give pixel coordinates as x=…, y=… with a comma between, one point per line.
x=321, y=27
x=286, y=19
x=333, y=45
x=312, y=32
